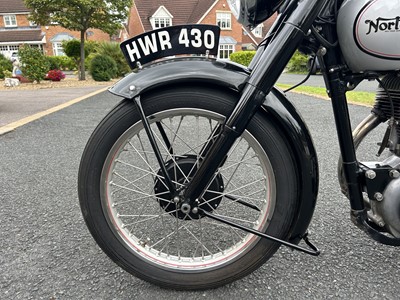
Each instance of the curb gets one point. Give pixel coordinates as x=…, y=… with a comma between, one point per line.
x=12, y=126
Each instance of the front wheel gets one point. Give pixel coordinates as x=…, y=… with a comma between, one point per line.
x=130, y=213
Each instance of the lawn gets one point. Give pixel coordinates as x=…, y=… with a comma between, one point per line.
x=363, y=98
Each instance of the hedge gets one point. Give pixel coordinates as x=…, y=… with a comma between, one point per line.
x=62, y=63
x=298, y=63
x=242, y=57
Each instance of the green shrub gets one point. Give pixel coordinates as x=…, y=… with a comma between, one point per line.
x=61, y=63
x=242, y=57
x=5, y=66
x=88, y=60
x=113, y=50
x=34, y=64
x=91, y=47
x=54, y=63
x=67, y=63
x=103, y=68
x=298, y=63
x=72, y=48
x=7, y=74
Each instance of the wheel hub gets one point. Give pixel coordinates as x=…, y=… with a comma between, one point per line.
x=181, y=171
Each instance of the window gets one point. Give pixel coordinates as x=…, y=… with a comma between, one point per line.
x=258, y=31
x=10, y=21
x=58, y=50
x=224, y=20
x=161, y=18
x=14, y=47
x=57, y=41
x=225, y=51
x=9, y=50
x=160, y=22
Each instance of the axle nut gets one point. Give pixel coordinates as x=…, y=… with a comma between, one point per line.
x=185, y=208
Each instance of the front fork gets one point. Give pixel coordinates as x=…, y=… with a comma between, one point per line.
x=296, y=20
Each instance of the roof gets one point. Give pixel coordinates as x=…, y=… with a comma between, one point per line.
x=14, y=36
x=12, y=6
x=183, y=11
x=60, y=37
x=223, y=39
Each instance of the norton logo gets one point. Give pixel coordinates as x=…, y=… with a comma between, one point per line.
x=382, y=24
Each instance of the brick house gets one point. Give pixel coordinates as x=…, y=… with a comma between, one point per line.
x=147, y=15
x=16, y=29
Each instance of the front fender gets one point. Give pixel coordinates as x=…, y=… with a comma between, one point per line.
x=276, y=106
x=286, y=116
x=180, y=71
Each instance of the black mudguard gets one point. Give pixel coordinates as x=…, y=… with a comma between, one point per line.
x=227, y=75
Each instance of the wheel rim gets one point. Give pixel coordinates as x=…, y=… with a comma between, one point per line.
x=132, y=204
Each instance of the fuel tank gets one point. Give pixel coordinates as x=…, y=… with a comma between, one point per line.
x=369, y=34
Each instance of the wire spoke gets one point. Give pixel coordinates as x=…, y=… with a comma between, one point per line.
x=230, y=192
x=200, y=243
x=141, y=198
x=141, y=208
x=191, y=148
x=150, y=218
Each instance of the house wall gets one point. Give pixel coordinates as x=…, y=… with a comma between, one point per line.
x=51, y=31
x=235, y=31
x=135, y=26
x=22, y=20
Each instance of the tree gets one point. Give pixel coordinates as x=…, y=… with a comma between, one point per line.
x=80, y=15
x=72, y=49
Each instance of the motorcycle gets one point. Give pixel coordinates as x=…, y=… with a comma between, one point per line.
x=205, y=169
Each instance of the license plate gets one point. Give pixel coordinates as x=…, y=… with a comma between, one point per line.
x=170, y=41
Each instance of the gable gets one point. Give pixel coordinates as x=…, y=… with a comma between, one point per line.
x=162, y=12
x=183, y=11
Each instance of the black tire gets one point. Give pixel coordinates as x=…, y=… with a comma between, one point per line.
x=109, y=190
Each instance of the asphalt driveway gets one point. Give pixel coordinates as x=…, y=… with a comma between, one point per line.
x=17, y=105
x=47, y=252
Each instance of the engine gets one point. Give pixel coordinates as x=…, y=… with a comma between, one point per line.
x=382, y=187
x=387, y=106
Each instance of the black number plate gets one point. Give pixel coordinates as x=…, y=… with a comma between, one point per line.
x=169, y=41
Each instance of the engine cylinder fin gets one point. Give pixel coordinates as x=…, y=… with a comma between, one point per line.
x=382, y=100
